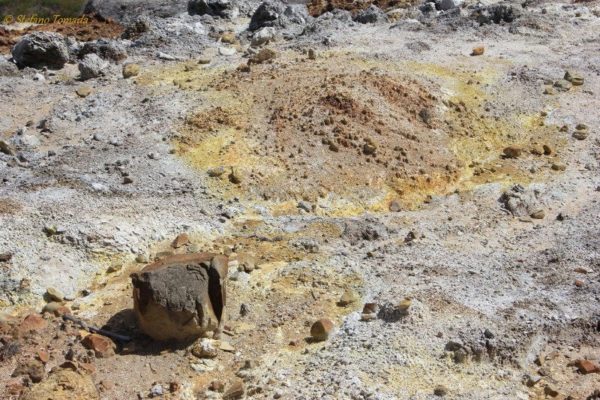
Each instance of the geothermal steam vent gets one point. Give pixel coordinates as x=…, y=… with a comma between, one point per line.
x=181, y=297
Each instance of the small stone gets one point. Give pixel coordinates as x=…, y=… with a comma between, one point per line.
x=395, y=206
x=235, y=177
x=460, y=356
x=216, y=172
x=581, y=127
x=228, y=37
x=141, y=258
x=180, y=241
x=127, y=180
x=102, y=346
x=235, y=390
x=348, y=297
x=5, y=257
x=558, y=167
x=53, y=294
x=539, y=214
x=488, y=334
x=227, y=51
x=262, y=56
x=312, y=54
x=440, y=390
x=130, y=70
x=575, y=79
x=547, y=150
x=321, y=330
x=204, y=61
x=84, y=91
x=579, y=283
x=43, y=356
x=226, y=346
x=478, y=51
x=204, y=349
x=369, y=149
x=549, y=90
x=586, y=367
x=114, y=268
x=56, y=308
x=92, y=67
x=157, y=390
x=563, y=85
x=246, y=262
x=217, y=386
x=5, y=148
x=549, y=391
x=305, y=205
x=33, y=368
x=512, y=151
x=581, y=270
x=580, y=135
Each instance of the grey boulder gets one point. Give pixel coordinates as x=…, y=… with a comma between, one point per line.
x=41, y=49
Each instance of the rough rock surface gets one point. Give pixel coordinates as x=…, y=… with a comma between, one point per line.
x=181, y=297
x=41, y=49
x=64, y=385
x=92, y=66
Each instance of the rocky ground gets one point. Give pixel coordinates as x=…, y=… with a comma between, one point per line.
x=423, y=176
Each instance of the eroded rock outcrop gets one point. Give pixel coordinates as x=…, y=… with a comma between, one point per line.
x=181, y=297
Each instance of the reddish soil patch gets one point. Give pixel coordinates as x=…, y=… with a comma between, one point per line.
x=97, y=28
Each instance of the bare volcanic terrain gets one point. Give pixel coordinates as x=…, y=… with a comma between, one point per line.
x=215, y=199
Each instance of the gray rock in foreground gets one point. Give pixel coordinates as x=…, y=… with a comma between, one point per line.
x=41, y=49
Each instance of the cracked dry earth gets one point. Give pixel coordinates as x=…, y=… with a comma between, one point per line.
x=378, y=166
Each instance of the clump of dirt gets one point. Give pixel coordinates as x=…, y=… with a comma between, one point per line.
x=96, y=28
x=318, y=7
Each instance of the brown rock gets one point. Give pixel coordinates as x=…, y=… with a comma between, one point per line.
x=558, y=167
x=478, y=51
x=586, y=367
x=102, y=346
x=32, y=323
x=43, y=356
x=512, y=151
x=579, y=283
x=57, y=309
x=235, y=390
x=5, y=257
x=53, y=294
x=181, y=297
x=84, y=91
x=580, y=135
x=205, y=349
x=262, y=56
x=348, y=297
x=539, y=214
x=217, y=386
x=181, y=240
x=246, y=262
x=312, y=54
x=440, y=390
x=395, y=206
x=130, y=70
x=547, y=150
x=33, y=368
x=321, y=329
x=64, y=384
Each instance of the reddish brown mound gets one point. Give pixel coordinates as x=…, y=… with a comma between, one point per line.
x=96, y=28
x=326, y=128
x=318, y=7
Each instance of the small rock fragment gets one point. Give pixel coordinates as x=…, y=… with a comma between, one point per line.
x=235, y=390
x=512, y=151
x=539, y=214
x=478, y=51
x=180, y=241
x=580, y=135
x=321, y=330
x=84, y=91
x=53, y=294
x=440, y=391
x=586, y=367
x=102, y=346
x=348, y=297
x=204, y=349
x=130, y=70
